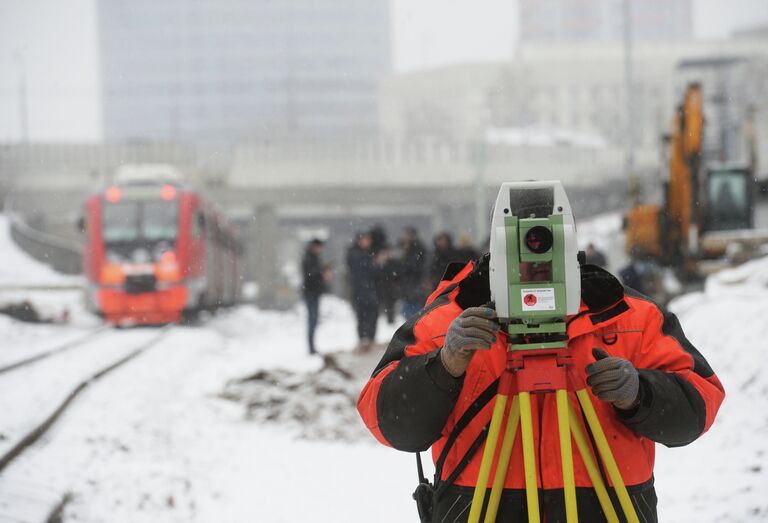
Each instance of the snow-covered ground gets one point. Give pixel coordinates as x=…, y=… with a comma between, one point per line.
x=23, y=340
x=54, y=378
x=723, y=476
x=53, y=295
x=157, y=442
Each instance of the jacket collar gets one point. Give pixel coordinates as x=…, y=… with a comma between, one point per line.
x=599, y=288
x=602, y=301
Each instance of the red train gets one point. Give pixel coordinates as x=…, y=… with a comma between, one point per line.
x=156, y=252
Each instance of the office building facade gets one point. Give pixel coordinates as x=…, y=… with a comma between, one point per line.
x=238, y=70
x=561, y=21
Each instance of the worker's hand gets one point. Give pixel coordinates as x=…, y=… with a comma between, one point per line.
x=613, y=379
x=474, y=329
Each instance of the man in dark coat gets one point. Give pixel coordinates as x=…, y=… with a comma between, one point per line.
x=465, y=252
x=387, y=285
x=443, y=254
x=595, y=256
x=411, y=267
x=314, y=285
x=363, y=278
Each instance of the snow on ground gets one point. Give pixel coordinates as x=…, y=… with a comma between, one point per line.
x=156, y=442
x=19, y=340
x=54, y=304
x=54, y=378
x=22, y=278
x=285, y=333
x=724, y=475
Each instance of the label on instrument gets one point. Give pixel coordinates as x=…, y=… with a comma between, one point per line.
x=541, y=299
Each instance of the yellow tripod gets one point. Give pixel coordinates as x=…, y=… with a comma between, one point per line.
x=545, y=370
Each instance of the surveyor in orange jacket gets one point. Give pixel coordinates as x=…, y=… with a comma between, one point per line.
x=435, y=383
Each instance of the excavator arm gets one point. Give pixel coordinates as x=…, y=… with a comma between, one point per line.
x=661, y=232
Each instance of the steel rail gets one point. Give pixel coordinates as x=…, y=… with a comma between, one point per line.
x=56, y=350
x=33, y=435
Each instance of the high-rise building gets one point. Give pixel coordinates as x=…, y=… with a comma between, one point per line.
x=561, y=21
x=234, y=70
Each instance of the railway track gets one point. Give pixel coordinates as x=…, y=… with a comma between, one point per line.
x=44, y=505
x=58, y=349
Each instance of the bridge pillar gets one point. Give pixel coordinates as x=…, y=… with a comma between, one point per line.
x=263, y=240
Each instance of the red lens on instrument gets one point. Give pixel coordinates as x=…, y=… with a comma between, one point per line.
x=538, y=239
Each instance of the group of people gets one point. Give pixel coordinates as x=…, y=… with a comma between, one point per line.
x=382, y=276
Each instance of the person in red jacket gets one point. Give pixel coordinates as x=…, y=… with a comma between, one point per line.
x=435, y=385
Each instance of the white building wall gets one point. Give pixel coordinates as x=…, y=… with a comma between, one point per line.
x=579, y=87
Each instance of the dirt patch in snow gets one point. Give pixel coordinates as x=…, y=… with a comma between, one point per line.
x=318, y=405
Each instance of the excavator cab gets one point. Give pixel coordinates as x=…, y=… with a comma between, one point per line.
x=729, y=199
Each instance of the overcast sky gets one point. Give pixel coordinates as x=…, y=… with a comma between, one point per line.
x=55, y=43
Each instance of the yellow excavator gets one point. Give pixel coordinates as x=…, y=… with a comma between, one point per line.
x=706, y=219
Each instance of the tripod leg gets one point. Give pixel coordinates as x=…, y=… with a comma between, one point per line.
x=592, y=470
x=502, y=465
x=529, y=459
x=566, y=456
x=605, y=452
x=488, y=454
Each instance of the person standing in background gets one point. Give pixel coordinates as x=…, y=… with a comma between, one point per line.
x=595, y=256
x=412, y=259
x=364, y=275
x=386, y=286
x=315, y=283
x=465, y=252
x=443, y=254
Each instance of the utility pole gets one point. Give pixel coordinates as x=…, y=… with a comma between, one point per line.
x=482, y=216
x=629, y=152
x=22, y=98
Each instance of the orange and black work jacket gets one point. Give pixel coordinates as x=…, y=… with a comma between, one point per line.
x=411, y=402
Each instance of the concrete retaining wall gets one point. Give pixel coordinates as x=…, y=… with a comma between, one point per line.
x=62, y=255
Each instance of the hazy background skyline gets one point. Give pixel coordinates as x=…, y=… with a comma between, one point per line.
x=55, y=44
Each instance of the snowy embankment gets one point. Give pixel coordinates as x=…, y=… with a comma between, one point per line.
x=24, y=279
x=18, y=269
x=724, y=475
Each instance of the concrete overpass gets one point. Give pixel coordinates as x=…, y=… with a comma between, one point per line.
x=281, y=195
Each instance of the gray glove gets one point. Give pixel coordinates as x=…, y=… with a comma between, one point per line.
x=613, y=379
x=473, y=329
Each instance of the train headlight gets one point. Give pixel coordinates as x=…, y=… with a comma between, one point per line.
x=168, y=268
x=112, y=274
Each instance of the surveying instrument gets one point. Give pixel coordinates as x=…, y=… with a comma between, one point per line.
x=535, y=282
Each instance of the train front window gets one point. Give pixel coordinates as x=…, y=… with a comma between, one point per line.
x=120, y=222
x=159, y=220
x=139, y=223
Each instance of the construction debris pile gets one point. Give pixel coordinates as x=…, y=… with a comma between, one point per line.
x=316, y=405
